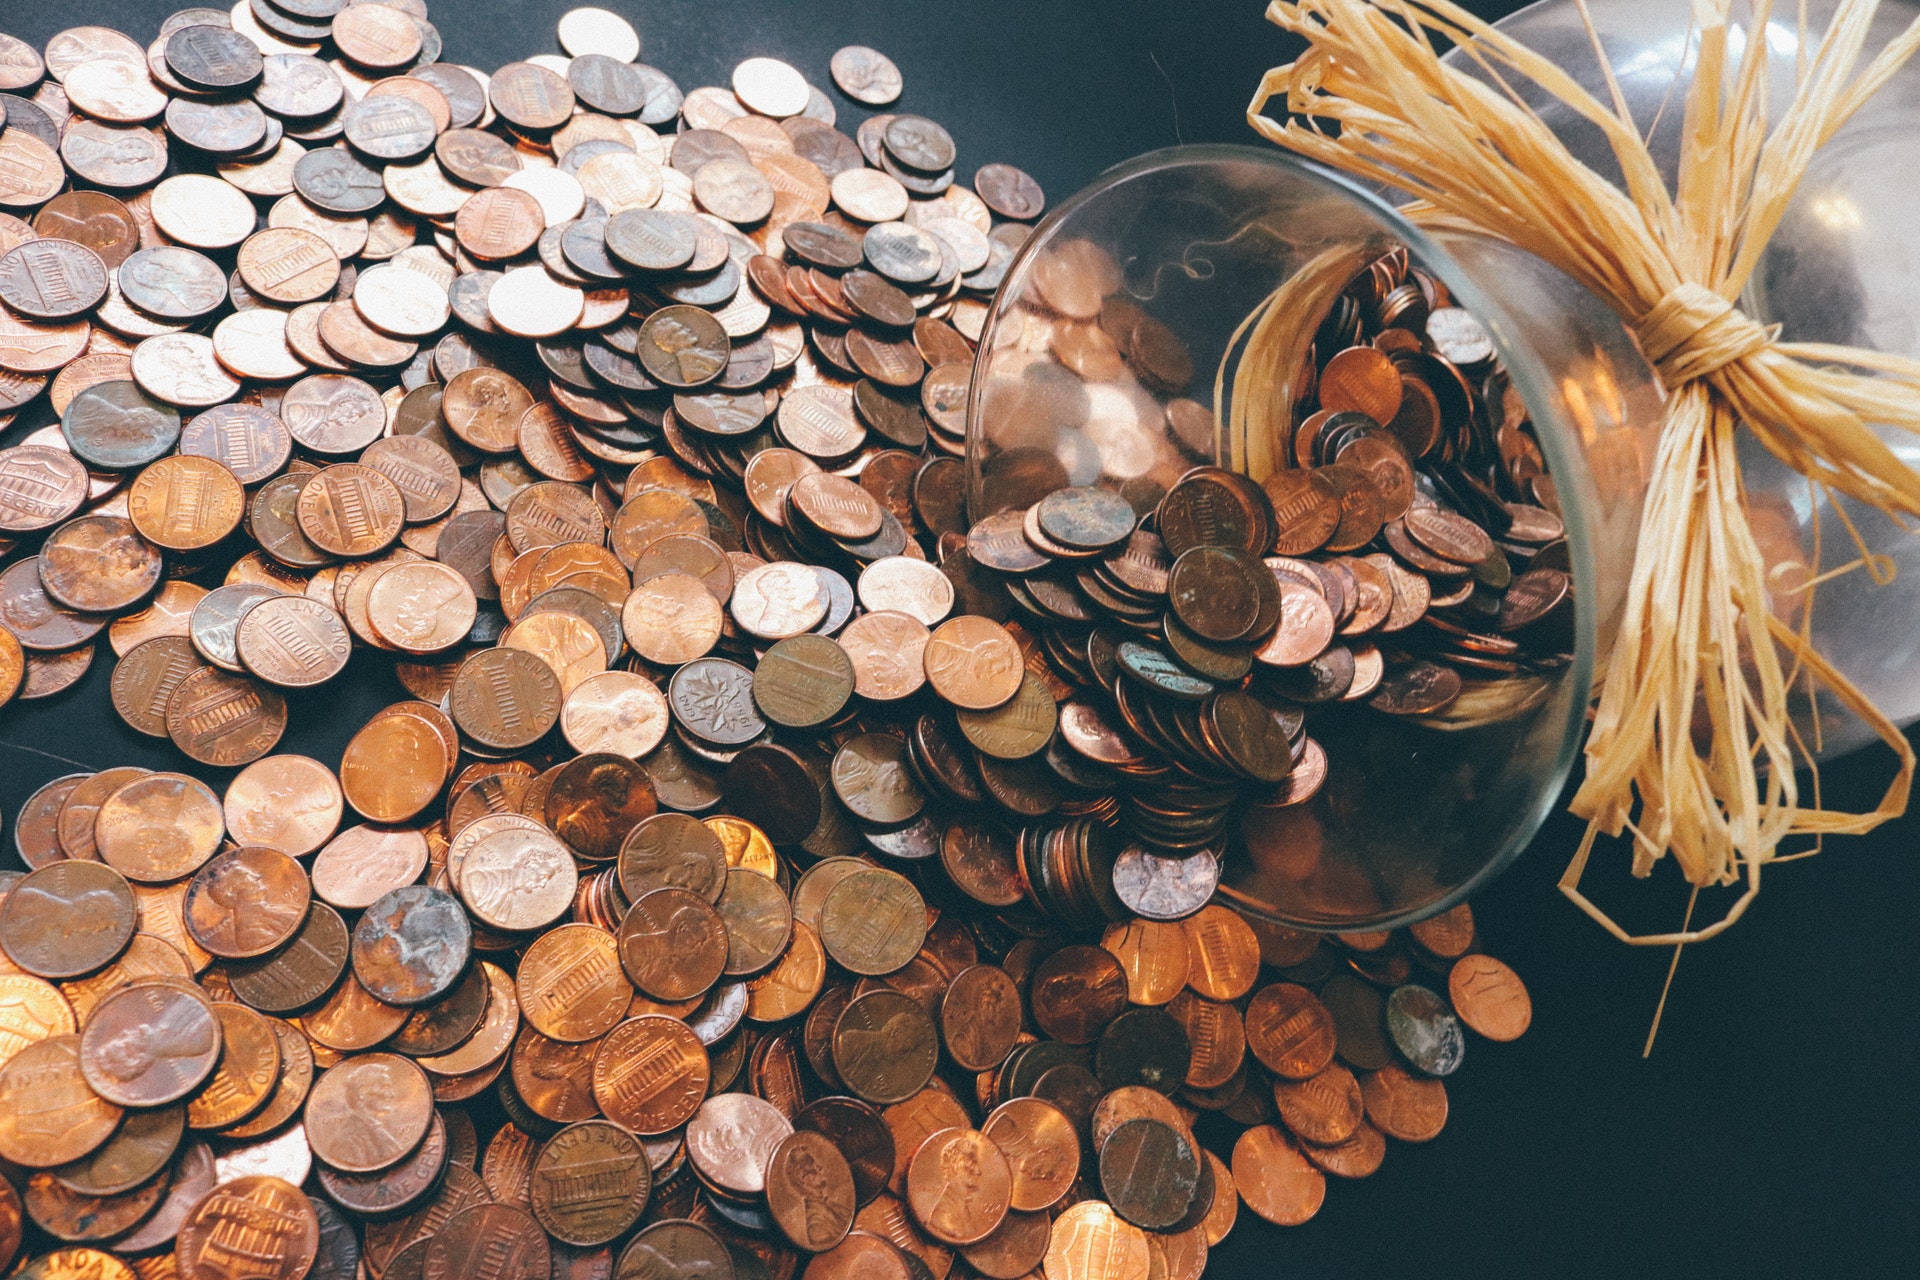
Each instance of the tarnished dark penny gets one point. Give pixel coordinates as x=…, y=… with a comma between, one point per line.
x=803, y=681
x=333, y=179
x=1150, y=1171
x=442, y=1025
x=885, y=1046
x=210, y=57
x=1076, y=991
x=116, y=426
x=411, y=946
x=758, y=920
x=141, y=1147
x=673, y=1248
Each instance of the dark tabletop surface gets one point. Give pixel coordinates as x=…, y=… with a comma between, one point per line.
x=1772, y=1130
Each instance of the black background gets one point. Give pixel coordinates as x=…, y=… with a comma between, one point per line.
x=1770, y=1133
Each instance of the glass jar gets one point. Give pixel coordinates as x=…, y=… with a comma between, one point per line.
x=1415, y=813
x=1841, y=268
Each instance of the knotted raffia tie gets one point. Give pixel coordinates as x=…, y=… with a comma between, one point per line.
x=1693, y=331
x=1693, y=748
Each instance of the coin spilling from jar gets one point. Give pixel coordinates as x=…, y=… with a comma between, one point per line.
x=766, y=863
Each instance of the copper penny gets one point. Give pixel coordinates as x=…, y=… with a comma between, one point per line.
x=159, y=827
x=973, y=663
x=650, y=1074
x=590, y=1182
x=66, y=919
x=673, y=944
x=1490, y=997
x=959, y=1186
x=369, y=1112
x=148, y=1045
x=1290, y=1031
x=98, y=564
x=247, y=902
x=51, y=1116
x=885, y=1046
x=1076, y=991
x=505, y=699
x=272, y=1217
x=1275, y=1179
x=247, y=1072
x=363, y=863
x=570, y=983
x=351, y=510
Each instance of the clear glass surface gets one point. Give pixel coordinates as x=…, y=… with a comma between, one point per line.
x=1843, y=267
x=1412, y=817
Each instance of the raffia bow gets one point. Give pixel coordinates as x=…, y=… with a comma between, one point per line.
x=1699, y=636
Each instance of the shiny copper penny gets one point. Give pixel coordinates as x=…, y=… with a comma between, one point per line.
x=1490, y=997
x=1091, y=1242
x=159, y=827
x=1274, y=1179
x=570, y=983
x=1290, y=1031
x=51, y=1116
x=394, y=767
x=351, y=510
x=650, y=1074
x=246, y=902
x=247, y=1072
x=293, y=642
x=273, y=1217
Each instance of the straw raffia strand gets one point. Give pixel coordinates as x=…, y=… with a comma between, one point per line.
x=1698, y=635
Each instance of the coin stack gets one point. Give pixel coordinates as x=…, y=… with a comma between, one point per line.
x=757, y=869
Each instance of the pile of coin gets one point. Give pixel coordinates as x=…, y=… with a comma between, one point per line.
x=766, y=862
x=1406, y=557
